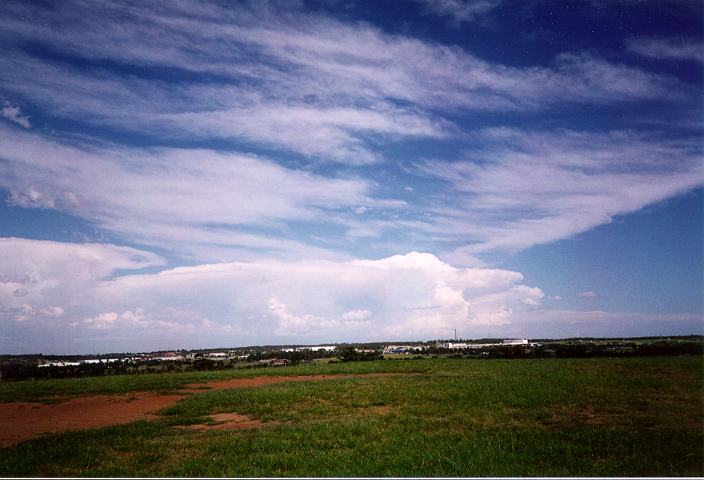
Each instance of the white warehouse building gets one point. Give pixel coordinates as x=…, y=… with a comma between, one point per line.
x=327, y=348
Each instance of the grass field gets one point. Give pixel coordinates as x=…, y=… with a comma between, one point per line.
x=444, y=417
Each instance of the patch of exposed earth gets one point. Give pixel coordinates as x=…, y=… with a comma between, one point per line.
x=228, y=421
x=26, y=420
x=21, y=421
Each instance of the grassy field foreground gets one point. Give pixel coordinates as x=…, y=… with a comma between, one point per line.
x=587, y=417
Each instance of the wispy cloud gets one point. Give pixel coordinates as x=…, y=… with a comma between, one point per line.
x=515, y=190
x=183, y=200
x=667, y=48
x=14, y=114
x=293, y=81
x=526, y=188
x=460, y=11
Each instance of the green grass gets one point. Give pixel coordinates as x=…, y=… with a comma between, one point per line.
x=49, y=390
x=586, y=417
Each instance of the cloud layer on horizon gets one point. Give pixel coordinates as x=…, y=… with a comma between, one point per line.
x=71, y=291
x=85, y=294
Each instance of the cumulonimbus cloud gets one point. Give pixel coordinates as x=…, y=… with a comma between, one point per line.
x=414, y=295
x=80, y=294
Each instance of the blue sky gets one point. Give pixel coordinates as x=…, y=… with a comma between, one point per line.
x=202, y=174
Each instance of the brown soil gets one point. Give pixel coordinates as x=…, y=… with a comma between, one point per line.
x=229, y=421
x=580, y=416
x=23, y=421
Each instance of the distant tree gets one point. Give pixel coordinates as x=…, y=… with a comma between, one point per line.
x=347, y=354
x=350, y=354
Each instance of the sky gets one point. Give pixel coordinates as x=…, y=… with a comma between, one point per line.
x=216, y=174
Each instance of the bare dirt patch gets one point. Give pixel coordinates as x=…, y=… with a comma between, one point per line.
x=228, y=421
x=585, y=416
x=590, y=417
x=23, y=421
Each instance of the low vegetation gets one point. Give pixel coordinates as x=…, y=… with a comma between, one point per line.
x=442, y=417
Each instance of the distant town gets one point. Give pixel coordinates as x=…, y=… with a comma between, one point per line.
x=245, y=353
x=18, y=367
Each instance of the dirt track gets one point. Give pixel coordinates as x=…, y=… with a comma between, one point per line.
x=23, y=421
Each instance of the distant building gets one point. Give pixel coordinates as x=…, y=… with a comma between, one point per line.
x=318, y=348
x=60, y=364
x=99, y=360
x=217, y=355
x=168, y=359
x=402, y=349
x=460, y=346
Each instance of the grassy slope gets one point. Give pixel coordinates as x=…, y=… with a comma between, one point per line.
x=589, y=417
x=39, y=390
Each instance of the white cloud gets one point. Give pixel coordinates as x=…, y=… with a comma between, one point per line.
x=667, y=48
x=356, y=315
x=56, y=280
x=289, y=324
x=515, y=190
x=53, y=275
x=587, y=294
x=460, y=10
x=191, y=201
x=411, y=296
x=415, y=293
x=14, y=114
x=521, y=188
x=323, y=89
x=53, y=311
x=102, y=321
x=77, y=304
x=287, y=80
